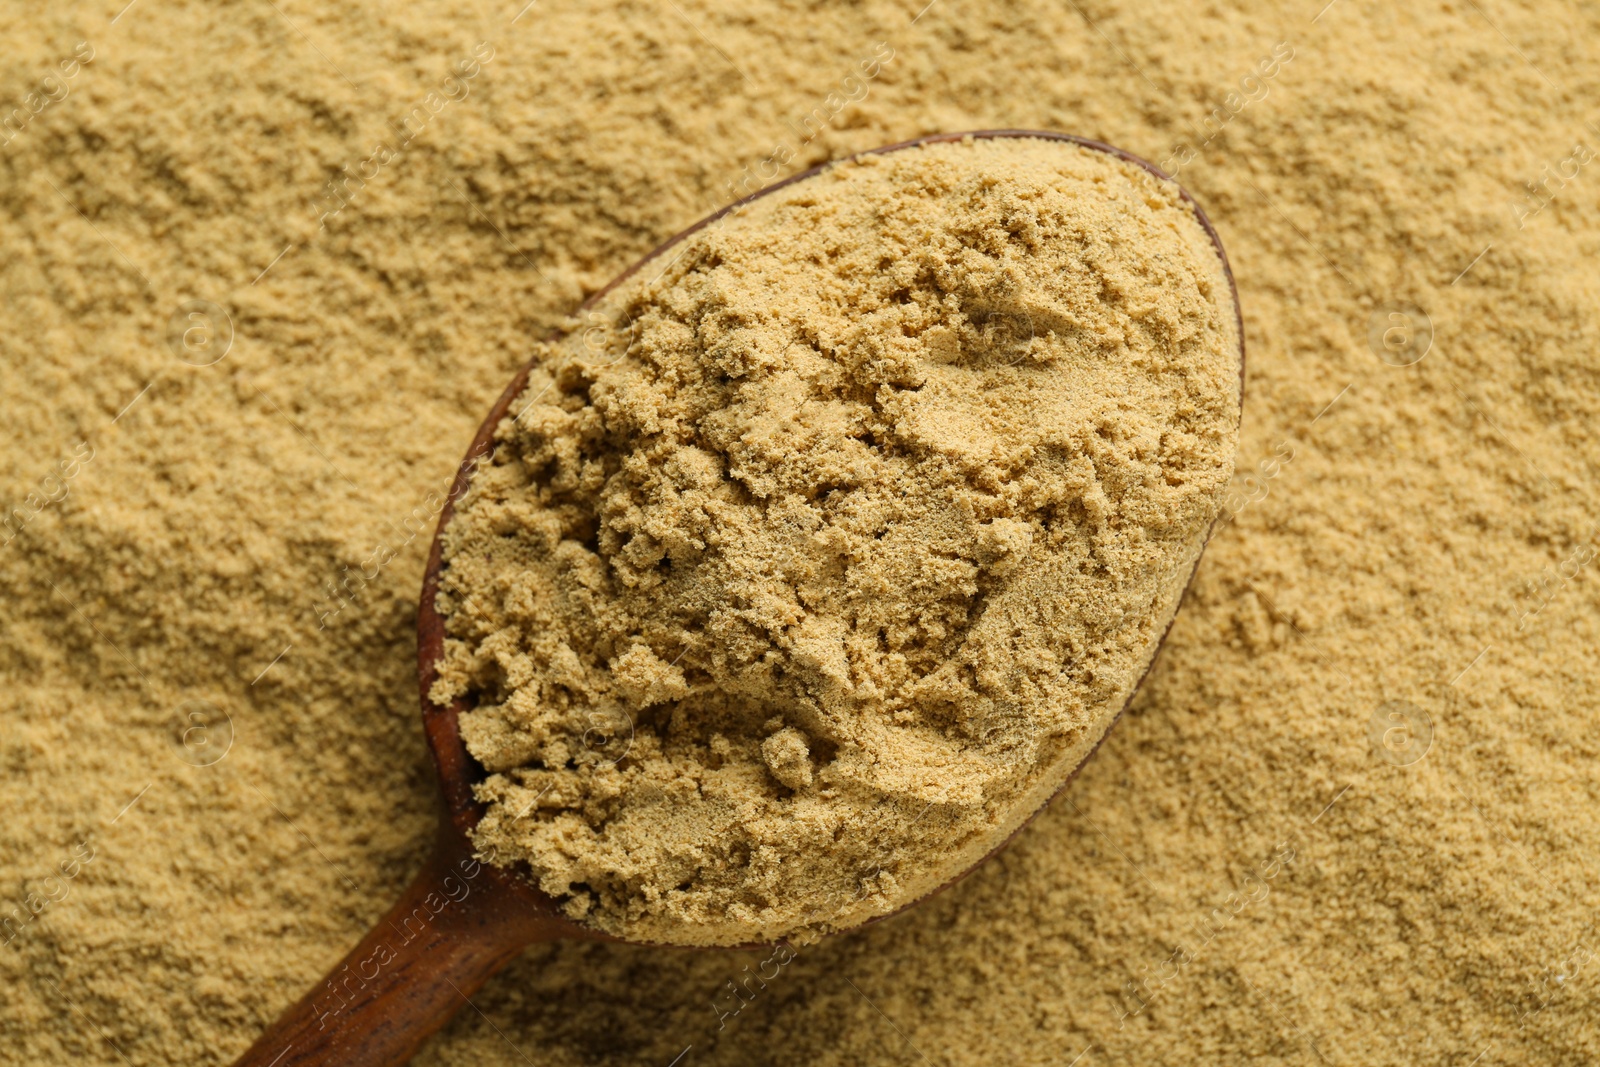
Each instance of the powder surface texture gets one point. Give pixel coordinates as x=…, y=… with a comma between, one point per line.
x=803, y=575
x=231, y=554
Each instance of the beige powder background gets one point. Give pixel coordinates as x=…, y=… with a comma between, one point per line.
x=1441, y=912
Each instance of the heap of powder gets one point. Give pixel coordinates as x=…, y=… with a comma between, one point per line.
x=822, y=557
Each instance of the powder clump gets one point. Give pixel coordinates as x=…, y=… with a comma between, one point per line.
x=822, y=550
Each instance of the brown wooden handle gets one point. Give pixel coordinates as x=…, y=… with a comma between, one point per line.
x=458, y=923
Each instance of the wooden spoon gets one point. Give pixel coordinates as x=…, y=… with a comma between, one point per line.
x=462, y=920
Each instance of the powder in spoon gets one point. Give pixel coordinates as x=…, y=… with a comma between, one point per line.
x=828, y=545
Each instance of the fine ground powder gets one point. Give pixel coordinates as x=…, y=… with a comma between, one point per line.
x=813, y=566
x=1420, y=541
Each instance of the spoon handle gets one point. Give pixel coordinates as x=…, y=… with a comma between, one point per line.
x=453, y=927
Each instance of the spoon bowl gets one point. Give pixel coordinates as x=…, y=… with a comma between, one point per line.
x=462, y=919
